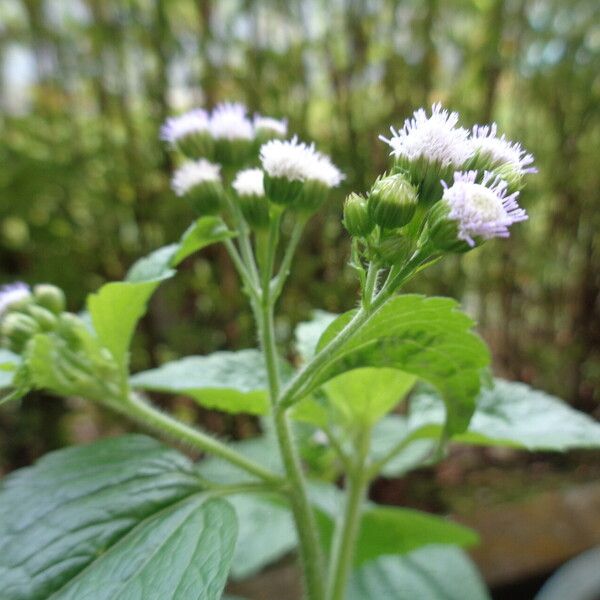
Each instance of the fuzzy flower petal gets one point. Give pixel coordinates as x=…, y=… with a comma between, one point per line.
x=277, y=126
x=228, y=121
x=12, y=293
x=297, y=161
x=192, y=173
x=485, y=142
x=481, y=209
x=249, y=182
x=175, y=128
x=434, y=138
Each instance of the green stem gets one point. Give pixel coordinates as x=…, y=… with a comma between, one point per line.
x=241, y=268
x=144, y=413
x=286, y=261
x=347, y=528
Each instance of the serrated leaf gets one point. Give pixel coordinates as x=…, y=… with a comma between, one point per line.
x=427, y=337
x=307, y=333
x=266, y=533
x=234, y=382
x=204, y=232
x=85, y=520
x=513, y=415
x=392, y=530
x=429, y=573
x=363, y=396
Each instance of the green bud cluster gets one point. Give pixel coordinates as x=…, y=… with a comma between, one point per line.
x=392, y=201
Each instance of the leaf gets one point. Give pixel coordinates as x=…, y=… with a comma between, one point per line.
x=387, y=530
x=363, y=396
x=427, y=337
x=429, y=573
x=8, y=364
x=121, y=518
x=230, y=381
x=514, y=415
x=204, y=232
x=117, y=307
x=308, y=333
x=266, y=533
x=115, y=310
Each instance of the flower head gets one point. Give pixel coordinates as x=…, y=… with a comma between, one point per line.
x=249, y=182
x=270, y=125
x=189, y=123
x=296, y=161
x=193, y=173
x=499, y=151
x=228, y=121
x=13, y=293
x=433, y=138
x=481, y=210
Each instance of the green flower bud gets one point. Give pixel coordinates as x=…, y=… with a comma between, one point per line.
x=357, y=219
x=392, y=201
x=50, y=297
x=205, y=197
x=281, y=190
x=45, y=319
x=233, y=151
x=255, y=210
x=69, y=328
x=196, y=145
x=17, y=329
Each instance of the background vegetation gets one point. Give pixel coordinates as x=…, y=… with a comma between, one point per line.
x=84, y=181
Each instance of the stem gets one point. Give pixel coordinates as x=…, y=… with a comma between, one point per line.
x=241, y=268
x=370, y=282
x=286, y=261
x=144, y=413
x=347, y=528
x=308, y=538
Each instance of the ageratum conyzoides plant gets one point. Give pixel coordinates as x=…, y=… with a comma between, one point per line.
x=374, y=392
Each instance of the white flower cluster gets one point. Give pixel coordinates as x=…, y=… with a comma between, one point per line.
x=193, y=173
x=249, y=182
x=296, y=161
x=227, y=121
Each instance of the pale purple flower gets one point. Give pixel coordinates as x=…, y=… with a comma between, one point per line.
x=481, y=210
x=189, y=123
x=12, y=293
x=433, y=138
x=500, y=151
x=229, y=121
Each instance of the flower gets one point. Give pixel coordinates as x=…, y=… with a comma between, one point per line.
x=249, y=182
x=193, y=122
x=228, y=121
x=270, y=125
x=296, y=161
x=11, y=294
x=193, y=173
x=434, y=139
x=480, y=210
x=499, y=151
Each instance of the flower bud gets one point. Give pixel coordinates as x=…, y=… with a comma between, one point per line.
x=311, y=197
x=392, y=201
x=357, y=219
x=50, y=297
x=443, y=231
x=281, y=190
x=205, y=197
x=17, y=329
x=196, y=145
x=69, y=328
x=45, y=319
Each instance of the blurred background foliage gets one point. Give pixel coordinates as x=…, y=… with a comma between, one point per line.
x=84, y=180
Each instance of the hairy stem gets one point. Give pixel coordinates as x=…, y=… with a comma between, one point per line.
x=347, y=527
x=152, y=418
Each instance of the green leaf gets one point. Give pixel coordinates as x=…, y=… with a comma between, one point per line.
x=115, y=310
x=514, y=415
x=266, y=533
x=308, y=333
x=202, y=233
x=386, y=530
x=121, y=518
x=230, y=381
x=8, y=365
x=363, y=396
x=427, y=337
x=429, y=573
